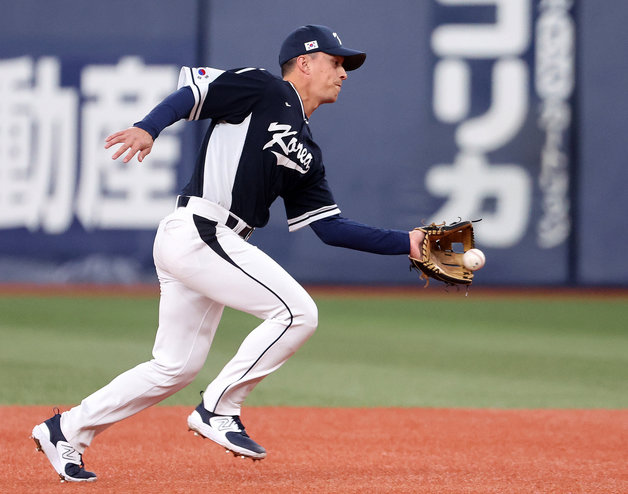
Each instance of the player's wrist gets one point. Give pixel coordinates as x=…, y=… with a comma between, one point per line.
x=146, y=127
x=416, y=240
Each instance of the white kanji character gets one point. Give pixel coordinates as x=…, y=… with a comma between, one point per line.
x=509, y=35
x=471, y=182
x=37, y=145
x=499, y=194
x=113, y=194
x=507, y=113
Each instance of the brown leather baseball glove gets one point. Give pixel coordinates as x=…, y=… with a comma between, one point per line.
x=442, y=251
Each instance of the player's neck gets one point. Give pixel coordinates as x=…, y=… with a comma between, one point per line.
x=309, y=102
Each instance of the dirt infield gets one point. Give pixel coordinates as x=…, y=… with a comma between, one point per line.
x=341, y=451
x=418, y=290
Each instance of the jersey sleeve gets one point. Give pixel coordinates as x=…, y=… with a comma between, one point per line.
x=343, y=232
x=310, y=203
x=223, y=95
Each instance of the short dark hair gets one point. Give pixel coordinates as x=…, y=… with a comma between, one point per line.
x=288, y=67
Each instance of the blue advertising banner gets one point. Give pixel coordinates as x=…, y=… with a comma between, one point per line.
x=502, y=94
x=463, y=109
x=69, y=77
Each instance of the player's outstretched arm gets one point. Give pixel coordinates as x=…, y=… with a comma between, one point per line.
x=342, y=232
x=132, y=139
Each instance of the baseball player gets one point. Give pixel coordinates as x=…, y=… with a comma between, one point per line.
x=258, y=147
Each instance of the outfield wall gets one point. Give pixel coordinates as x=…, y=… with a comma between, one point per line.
x=512, y=111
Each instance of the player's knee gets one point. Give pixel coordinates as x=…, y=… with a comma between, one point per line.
x=187, y=374
x=306, y=315
x=176, y=374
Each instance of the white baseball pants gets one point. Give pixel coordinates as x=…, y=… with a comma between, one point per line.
x=203, y=266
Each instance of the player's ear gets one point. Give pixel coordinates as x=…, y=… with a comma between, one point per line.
x=303, y=64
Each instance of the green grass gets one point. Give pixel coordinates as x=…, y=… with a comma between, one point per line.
x=428, y=352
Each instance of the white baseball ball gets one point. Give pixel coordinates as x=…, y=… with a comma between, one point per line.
x=473, y=259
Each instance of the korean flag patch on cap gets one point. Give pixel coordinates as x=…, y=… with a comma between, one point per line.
x=311, y=45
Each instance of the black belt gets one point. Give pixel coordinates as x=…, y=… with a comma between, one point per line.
x=232, y=221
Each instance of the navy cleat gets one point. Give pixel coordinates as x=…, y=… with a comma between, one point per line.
x=226, y=430
x=66, y=461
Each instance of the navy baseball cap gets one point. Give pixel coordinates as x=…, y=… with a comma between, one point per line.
x=313, y=38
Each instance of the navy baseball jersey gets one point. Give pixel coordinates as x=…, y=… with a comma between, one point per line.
x=261, y=117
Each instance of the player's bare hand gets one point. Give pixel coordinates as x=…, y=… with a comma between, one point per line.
x=416, y=240
x=134, y=140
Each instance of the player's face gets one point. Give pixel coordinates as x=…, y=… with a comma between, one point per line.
x=327, y=76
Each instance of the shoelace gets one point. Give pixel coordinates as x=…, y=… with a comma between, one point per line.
x=237, y=420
